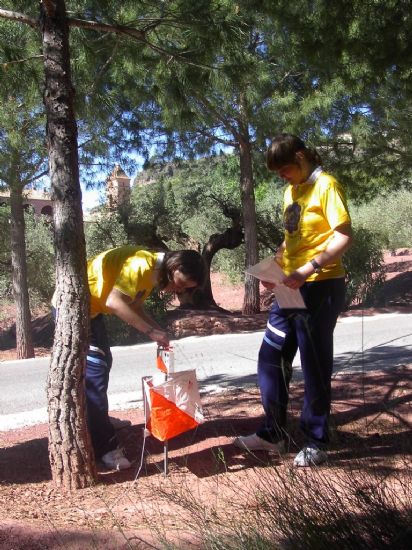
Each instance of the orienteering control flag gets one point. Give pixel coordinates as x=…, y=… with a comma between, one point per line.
x=173, y=405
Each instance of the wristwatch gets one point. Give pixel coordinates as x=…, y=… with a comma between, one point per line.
x=316, y=266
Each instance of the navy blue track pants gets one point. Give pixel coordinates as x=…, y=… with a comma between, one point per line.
x=98, y=365
x=311, y=331
x=99, y=362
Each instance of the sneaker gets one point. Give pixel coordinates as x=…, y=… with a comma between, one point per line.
x=118, y=423
x=255, y=443
x=310, y=456
x=115, y=460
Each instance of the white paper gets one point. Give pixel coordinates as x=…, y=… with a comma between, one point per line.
x=269, y=270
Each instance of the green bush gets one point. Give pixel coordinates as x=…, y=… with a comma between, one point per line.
x=364, y=267
x=40, y=257
x=389, y=216
x=231, y=263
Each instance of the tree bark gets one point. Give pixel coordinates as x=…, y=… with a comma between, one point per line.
x=202, y=298
x=230, y=239
x=71, y=456
x=251, y=301
x=24, y=342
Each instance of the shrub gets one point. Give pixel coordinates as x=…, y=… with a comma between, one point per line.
x=280, y=508
x=389, y=216
x=106, y=231
x=40, y=253
x=365, y=268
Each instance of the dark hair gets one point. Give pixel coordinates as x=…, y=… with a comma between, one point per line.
x=188, y=262
x=283, y=151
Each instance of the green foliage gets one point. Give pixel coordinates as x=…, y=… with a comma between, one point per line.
x=121, y=334
x=189, y=202
x=389, y=216
x=104, y=232
x=364, y=266
x=40, y=258
x=231, y=263
x=5, y=253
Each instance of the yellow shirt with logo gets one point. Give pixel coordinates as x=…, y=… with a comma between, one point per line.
x=127, y=268
x=311, y=213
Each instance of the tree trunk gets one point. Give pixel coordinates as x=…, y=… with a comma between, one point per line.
x=71, y=456
x=202, y=298
x=230, y=239
x=251, y=302
x=24, y=342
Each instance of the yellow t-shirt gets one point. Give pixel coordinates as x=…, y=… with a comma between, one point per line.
x=311, y=213
x=128, y=269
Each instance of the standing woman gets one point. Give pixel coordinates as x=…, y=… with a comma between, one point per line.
x=317, y=233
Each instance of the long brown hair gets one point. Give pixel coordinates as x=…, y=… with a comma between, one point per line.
x=188, y=262
x=283, y=151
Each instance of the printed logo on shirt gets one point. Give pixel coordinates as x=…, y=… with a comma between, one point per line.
x=291, y=217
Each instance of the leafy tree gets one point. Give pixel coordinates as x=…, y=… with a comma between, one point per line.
x=267, y=85
x=104, y=232
x=197, y=204
x=365, y=64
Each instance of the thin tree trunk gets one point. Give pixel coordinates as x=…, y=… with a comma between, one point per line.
x=251, y=301
x=24, y=342
x=71, y=455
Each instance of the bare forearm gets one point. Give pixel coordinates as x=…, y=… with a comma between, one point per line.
x=128, y=315
x=145, y=317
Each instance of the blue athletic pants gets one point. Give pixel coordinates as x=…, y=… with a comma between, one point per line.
x=99, y=362
x=98, y=365
x=311, y=331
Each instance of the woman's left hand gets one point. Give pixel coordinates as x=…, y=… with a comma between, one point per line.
x=295, y=280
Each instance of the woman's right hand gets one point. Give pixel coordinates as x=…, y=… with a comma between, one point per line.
x=159, y=336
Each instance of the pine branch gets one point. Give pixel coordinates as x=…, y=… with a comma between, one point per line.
x=40, y=56
x=37, y=176
x=129, y=32
x=115, y=29
x=214, y=137
x=207, y=105
x=21, y=17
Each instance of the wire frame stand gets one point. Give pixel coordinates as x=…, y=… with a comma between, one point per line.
x=165, y=363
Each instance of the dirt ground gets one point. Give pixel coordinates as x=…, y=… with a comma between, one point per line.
x=140, y=508
x=371, y=436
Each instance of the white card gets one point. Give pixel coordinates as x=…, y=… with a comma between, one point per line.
x=269, y=270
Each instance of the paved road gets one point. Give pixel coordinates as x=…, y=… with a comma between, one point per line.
x=222, y=361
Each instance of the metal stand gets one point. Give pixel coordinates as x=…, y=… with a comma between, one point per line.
x=166, y=458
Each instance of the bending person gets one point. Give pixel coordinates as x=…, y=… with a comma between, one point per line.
x=120, y=280
x=317, y=229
